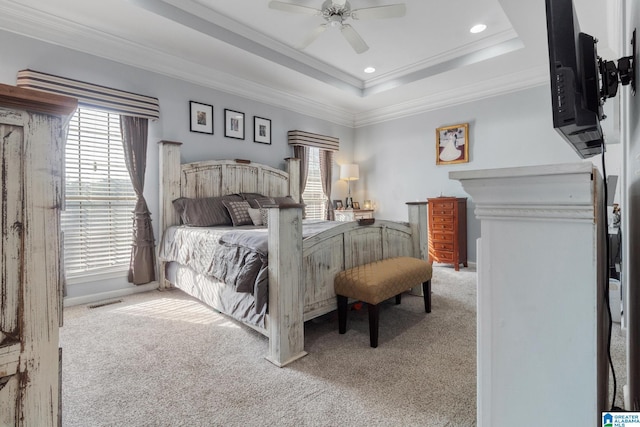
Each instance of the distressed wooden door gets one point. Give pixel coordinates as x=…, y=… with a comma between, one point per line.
x=31, y=168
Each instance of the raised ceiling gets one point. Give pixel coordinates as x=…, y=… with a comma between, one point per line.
x=425, y=60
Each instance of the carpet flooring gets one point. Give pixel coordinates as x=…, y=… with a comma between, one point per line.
x=165, y=359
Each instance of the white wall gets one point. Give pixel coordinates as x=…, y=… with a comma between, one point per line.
x=397, y=158
x=18, y=53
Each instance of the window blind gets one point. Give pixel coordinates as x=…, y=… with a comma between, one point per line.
x=312, y=195
x=99, y=197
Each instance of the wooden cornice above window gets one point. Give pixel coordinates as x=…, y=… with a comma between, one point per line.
x=308, y=139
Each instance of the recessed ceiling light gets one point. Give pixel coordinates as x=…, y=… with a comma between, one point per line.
x=369, y=70
x=478, y=28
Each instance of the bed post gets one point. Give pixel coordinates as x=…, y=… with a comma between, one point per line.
x=293, y=169
x=419, y=224
x=169, y=169
x=286, y=291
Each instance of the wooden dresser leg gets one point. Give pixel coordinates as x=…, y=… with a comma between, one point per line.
x=342, y=314
x=426, y=290
x=374, y=320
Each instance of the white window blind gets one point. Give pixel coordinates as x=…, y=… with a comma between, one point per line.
x=312, y=195
x=97, y=221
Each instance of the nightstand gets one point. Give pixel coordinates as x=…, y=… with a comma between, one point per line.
x=346, y=215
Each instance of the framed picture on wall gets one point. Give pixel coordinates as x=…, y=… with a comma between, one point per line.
x=452, y=144
x=233, y=124
x=261, y=130
x=201, y=117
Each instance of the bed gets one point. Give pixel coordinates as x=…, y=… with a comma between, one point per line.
x=302, y=258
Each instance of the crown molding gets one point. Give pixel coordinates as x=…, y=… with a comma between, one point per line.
x=42, y=26
x=61, y=32
x=487, y=89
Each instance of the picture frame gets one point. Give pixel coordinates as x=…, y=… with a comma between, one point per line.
x=233, y=124
x=261, y=130
x=452, y=144
x=337, y=205
x=356, y=205
x=201, y=117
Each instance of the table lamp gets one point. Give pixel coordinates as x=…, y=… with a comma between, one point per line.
x=349, y=172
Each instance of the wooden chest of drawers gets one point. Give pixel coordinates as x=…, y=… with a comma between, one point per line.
x=448, y=230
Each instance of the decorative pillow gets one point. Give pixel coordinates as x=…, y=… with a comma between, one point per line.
x=284, y=200
x=256, y=216
x=265, y=201
x=264, y=213
x=239, y=212
x=204, y=212
x=252, y=198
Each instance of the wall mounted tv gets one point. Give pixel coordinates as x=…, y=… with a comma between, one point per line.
x=580, y=80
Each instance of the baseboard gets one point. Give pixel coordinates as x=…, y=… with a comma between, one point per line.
x=87, y=299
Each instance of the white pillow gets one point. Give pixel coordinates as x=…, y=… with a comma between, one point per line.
x=256, y=216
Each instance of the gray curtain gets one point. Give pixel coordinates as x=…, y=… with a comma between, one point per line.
x=134, y=140
x=326, y=169
x=302, y=152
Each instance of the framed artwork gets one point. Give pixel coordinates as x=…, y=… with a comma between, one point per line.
x=452, y=144
x=233, y=124
x=356, y=205
x=261, y=130
x=201, y=117
x=337, y=204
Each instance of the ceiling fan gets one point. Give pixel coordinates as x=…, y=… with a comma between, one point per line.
x=335, y=12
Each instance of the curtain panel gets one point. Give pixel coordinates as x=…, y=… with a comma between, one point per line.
x=326, y=177
x=301, y=152
x=134, y=141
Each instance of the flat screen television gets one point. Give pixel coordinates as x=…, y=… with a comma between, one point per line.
x=575, y=80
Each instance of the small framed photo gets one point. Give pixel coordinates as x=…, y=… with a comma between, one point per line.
x=201, y=117
x=261, y=130
x=337, y=205
x=356, y=205
x=452, y=144
x=233, y=124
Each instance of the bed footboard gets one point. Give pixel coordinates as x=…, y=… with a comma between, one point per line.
x=349, y=245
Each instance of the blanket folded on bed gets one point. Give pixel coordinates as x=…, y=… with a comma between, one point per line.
x=237, y=256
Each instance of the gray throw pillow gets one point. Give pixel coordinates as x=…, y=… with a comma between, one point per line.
x=239, y=212
x=204, y=212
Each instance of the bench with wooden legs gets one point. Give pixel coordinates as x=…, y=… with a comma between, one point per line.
x=378, y=281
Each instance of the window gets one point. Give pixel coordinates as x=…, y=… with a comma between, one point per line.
x=313, y=197
x=99, y=197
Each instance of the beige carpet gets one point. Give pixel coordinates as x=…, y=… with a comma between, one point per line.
x=163, y=359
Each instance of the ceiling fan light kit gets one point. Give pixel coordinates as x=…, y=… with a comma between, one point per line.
x=335, y=12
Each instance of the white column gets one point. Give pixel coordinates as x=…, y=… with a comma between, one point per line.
x=541, y=272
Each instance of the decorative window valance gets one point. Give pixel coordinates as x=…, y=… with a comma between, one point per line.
x=91, y=95
x=298, y=137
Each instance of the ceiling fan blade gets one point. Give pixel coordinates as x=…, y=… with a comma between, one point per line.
x=293, y=8
x=380, y=12
x=354, y=38
x=312, y=36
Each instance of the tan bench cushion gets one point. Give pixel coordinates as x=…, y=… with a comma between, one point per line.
x=381, y=280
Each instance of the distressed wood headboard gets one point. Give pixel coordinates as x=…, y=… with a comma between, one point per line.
x=213, y=178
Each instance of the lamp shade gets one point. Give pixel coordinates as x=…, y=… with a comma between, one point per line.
x=349, y=172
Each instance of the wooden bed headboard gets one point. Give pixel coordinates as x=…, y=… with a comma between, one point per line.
x=213, y=178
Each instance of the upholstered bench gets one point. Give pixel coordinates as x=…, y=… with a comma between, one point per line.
x=378, y=281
